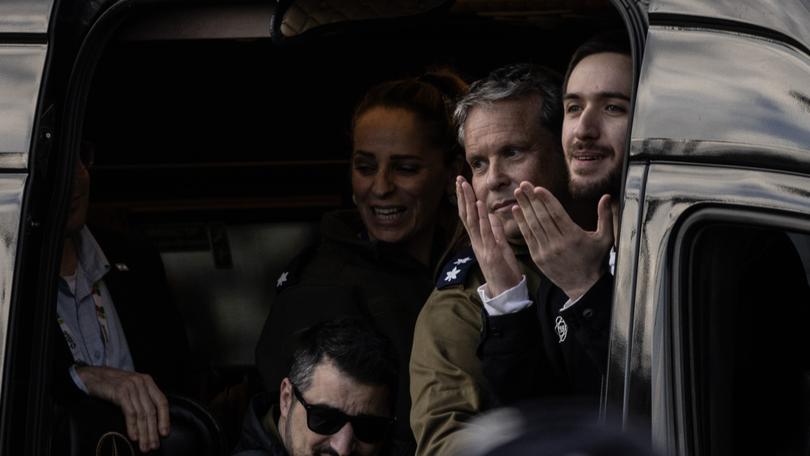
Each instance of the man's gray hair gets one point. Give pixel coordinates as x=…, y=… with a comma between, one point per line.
x=512, y=82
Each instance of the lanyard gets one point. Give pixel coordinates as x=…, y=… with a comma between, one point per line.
x=103, y=327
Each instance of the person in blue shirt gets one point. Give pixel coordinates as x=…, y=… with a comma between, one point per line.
x=124, y=340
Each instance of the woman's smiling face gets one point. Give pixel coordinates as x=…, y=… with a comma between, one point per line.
x=398, y=176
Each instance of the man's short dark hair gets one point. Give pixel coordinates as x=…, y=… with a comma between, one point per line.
x=514, y=82
x=614, y=41
x=352, y=345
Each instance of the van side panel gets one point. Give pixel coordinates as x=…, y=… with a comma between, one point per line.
x=21, y=67
x=25, y=16
x=788, y=17
x=11, y=195
x=700, y=89
x=656, y=379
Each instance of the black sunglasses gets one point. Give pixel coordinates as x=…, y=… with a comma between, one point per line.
x=327, y=420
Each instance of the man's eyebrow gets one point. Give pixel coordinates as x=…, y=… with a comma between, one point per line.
x=619, y=95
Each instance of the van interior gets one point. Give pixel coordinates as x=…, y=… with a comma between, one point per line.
x=223, y=143
x=224, y=146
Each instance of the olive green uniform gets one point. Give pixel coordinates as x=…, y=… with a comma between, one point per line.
x=448, y=386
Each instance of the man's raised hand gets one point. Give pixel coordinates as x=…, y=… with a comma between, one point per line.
x=572, y=258
x=495, y=256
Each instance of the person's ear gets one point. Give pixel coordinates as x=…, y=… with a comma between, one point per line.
x=285, y=397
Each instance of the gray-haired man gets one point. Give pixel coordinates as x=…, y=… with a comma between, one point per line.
x=510, y=125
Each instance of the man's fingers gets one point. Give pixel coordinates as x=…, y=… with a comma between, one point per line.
x=466, y=199
x=460, y=200
x=470, y=219
x=140, y=415
x=161, y=406
x=485, y=229
x=528, y=235
x=530, y=218
x=149, y=413
x=497, y=230
x=507, y=253
x=130, y=414
x=604, y=226
x=555, y=210
x=145, y=408
x=463, y=204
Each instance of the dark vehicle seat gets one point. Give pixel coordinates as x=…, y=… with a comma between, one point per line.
x=194, y=431
x=93, y=426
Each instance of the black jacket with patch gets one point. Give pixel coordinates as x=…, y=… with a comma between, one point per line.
x=348, y=275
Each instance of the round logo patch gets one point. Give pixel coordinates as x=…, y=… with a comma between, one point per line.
x=562, y=328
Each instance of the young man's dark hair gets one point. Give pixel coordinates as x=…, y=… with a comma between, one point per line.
x=354, y=346
x=611, y=41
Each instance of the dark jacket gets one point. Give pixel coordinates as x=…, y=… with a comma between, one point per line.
x=346, y=274
x=542, y=351
x=256, y=439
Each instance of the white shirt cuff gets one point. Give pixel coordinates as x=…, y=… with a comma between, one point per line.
x=512, y=300
x=76, y=379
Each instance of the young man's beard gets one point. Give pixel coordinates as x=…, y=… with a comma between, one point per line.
x=593, y=190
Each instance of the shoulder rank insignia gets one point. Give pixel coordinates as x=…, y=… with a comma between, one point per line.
x=292, y=274
x=286, y=278
x=455, y=271
x=282, y=279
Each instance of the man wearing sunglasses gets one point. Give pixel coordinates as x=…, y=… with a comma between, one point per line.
x=338, y=398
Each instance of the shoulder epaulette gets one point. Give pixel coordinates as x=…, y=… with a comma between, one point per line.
x=456, y=269
x=291, y=274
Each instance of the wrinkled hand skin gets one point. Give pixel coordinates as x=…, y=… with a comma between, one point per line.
x=492, y=251
x=572, y=258
x=145, y=408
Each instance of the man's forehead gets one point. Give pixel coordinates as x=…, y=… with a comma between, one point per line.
x=605, y=74
x=332, y=387
x=514, y=119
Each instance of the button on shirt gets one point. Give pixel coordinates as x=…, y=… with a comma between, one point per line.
x=81, y=322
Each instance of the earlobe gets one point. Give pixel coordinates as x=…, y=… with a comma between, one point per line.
x=285, y=397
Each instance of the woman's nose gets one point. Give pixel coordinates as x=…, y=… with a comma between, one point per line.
x=383, y=183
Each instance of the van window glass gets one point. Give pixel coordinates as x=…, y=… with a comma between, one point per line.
x=747, y=343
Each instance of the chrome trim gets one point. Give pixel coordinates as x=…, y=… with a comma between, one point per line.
x=622, y=314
